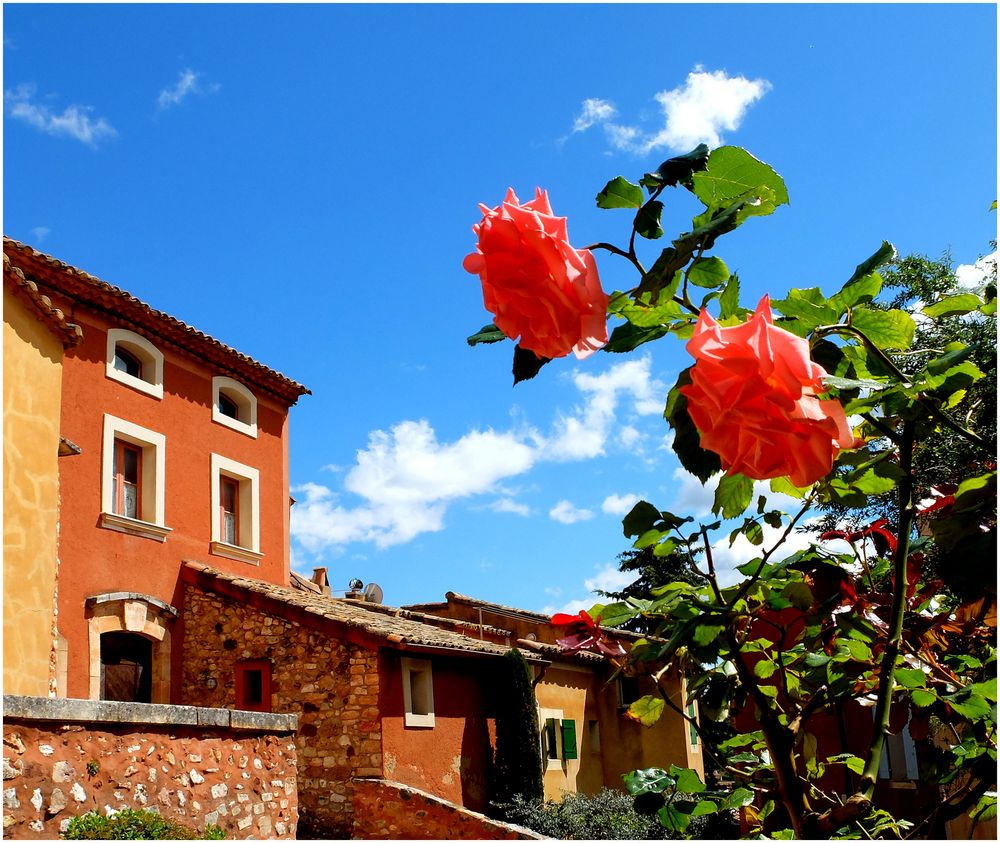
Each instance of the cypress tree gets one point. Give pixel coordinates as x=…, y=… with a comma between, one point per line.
x=517, y=767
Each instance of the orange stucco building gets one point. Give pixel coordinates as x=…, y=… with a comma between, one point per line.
x=183, y=454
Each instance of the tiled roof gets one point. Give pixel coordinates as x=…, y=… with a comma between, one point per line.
x=50, y=315
x=126, y=308
x=395, y=630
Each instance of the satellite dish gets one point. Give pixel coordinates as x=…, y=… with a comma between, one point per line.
x=373, y=593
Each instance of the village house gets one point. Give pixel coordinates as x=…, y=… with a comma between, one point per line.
x=150, y=566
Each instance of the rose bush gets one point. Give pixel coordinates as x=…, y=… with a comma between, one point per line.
x=538, y=286
x=753, y=398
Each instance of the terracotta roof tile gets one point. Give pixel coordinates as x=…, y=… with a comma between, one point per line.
x=394, y=629
x=70, y=334
x=102, y=296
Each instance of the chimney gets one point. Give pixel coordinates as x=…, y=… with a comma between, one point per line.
x=319, y=578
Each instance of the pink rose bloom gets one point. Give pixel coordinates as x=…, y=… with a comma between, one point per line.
x=753, y=399
x=536, y=285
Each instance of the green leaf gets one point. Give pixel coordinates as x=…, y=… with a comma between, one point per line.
x=987, y=689
x=886, y=254
x=677, y=170
x=706, y=633
x=968, y=705
x=704, y=807
x=885, y=328
x=527, y=364
x=615, y=614
x=809, y=306
x=629, y=337
x=708, y=272
x=730, y=173
x=765, y=669
x=645, y=315
x=922, y=698
x=860, y=652
x=856, y=627
x=688, y=781
x=646, y=710
x=858, y=291
x=739, y=798
x=909, y=677
x=798, y=594
x=672, y=818
x=650, y=780
x=848, y=383
x=647, y=221
x=620, y=193
x=640, y=519
x=487, y=334
x=729, y=301
x=784, y=486
x=953, y=306
x=733, y=495
x=854, y=764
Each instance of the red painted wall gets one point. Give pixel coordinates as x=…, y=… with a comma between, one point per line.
x=451, y=759
x=96, y=560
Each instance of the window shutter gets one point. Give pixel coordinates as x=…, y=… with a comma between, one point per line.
x=569, y=739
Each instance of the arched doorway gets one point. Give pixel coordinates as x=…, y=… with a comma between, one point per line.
x=126, y=667
x=129, y=647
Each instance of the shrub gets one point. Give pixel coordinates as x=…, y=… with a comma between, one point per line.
x=130, y=824
x=608, y=815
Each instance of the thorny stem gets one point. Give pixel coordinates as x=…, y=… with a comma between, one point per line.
x=907, y=511
x=712, y=579
x=631, y=258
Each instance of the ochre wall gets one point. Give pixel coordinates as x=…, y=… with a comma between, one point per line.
x=97, y=560
x=451, y=759
x=32, y=382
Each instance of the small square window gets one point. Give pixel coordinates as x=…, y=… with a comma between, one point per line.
x=253, y=685
x=418, y=693
x=628, y=690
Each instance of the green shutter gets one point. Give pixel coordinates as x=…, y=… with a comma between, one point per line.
x=569, y=739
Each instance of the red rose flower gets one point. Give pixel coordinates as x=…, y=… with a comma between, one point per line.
x=536, y=285
x=585, y=633
x=753, y=399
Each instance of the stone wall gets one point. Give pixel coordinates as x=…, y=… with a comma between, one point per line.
x=330, y=684
x=385, y=810
x=62, y=758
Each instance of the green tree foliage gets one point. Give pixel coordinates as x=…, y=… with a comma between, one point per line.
x=808, y=634
x=517, y=764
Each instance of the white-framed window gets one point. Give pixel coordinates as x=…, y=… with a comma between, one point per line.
x=133, y=479
x=135, y=361
x=234, y=406
x=418, y=693
x=235, y=510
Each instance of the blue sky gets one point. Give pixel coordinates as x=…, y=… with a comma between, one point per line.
x=301, y=181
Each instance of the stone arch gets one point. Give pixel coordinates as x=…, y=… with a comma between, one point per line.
x=128, y=611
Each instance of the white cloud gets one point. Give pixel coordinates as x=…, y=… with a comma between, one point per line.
x=619, y=504
x=593, y=111
x=511, y=506
x=40, y=232
x=566, y=513
x=629, y=436
x=188, y=82
x=975, y=276
x=708, y=103
x=405, y=479
x=584, y=434
x=74, y=122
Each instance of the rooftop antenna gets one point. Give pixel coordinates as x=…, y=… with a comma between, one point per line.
x=373, y=593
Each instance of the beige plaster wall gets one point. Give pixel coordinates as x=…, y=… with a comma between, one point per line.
x=32, y=387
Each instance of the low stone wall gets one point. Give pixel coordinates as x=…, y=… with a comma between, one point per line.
x=64, y=757
x=385, y=810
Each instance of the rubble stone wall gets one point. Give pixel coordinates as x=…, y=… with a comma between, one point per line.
x=64, y=757
x=331, y=685
x=385, y=810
